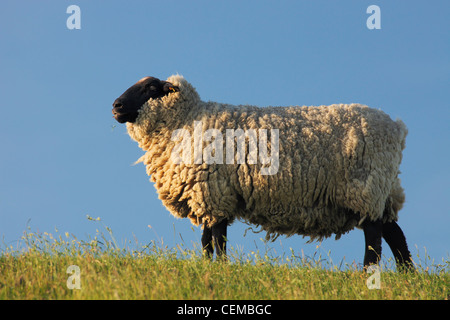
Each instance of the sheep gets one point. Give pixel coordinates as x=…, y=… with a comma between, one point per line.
x=331, y=169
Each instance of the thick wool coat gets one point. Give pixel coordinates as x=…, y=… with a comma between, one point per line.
x=337, y=165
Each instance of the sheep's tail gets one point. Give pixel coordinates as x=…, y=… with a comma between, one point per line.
x=403, y=132
x=396, y=198
x=394, y=202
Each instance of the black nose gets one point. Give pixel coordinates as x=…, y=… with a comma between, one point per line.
x=117, y=104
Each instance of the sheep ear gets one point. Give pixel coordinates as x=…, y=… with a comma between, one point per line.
x=168, y=87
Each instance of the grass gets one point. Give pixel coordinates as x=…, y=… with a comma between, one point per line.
x=37, y=269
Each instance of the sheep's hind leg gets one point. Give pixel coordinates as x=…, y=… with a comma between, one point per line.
x=219, y=238
x=372, y=234
x=215, y=238
x=396, y=240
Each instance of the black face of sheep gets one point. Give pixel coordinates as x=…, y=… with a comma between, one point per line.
x=126, y=107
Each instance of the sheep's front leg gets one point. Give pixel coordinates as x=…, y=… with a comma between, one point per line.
x=219, y=238
x=372, y=234
x=207, y=245
x=214, y=238
x=396, y=240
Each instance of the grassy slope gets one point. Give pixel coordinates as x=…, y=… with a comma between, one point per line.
x=38, y=271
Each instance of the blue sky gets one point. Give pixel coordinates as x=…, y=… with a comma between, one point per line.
x=63, y=156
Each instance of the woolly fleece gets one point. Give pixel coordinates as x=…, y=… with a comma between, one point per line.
x=338, y=165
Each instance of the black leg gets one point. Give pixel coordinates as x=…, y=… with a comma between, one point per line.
x=219, y=237
x=372, y=234
x=396, y=240
x=207, y=244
